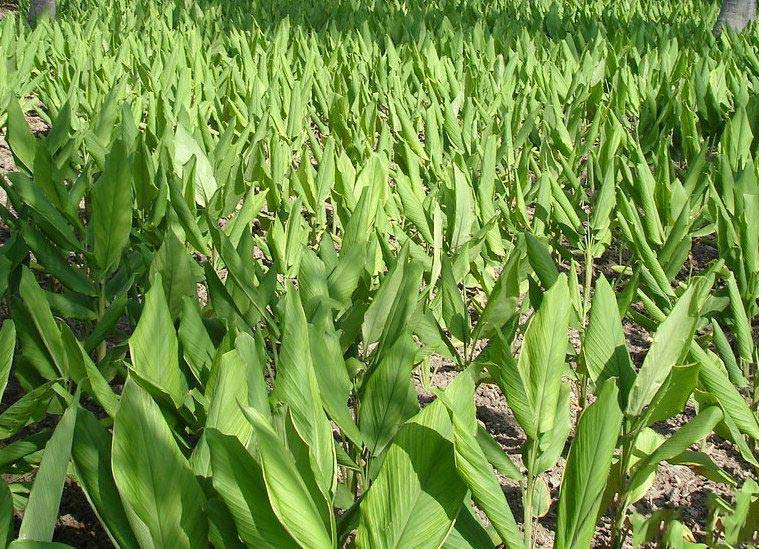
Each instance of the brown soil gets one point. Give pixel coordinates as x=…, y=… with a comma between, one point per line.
x=7, y=7
x=77, y=524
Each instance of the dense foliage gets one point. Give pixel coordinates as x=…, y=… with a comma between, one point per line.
x=251, y=234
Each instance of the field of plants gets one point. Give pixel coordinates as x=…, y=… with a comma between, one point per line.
x=392, y=274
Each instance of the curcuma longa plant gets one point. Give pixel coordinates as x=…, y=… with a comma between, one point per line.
x=257, y=271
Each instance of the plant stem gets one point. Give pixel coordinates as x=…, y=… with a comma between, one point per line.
x=103, y=346
x=527, y=503
x=588, y=280
x=529, y=540
x=628, y=447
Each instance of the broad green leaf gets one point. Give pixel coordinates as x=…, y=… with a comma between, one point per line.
x=18, y=414
x=417, y=494
x=604, y=347
x=197, y=348
x=474, y=469
x=587, y=468
x=47, y=216
x=389, y=397
x=674, y=394
x=44, y=323
x=91, y=457
x=378, y=313
x=540, y=260
x=41, y=513
x=468, y=533
x=185, y=148
x=332, y=376
x=146, y=462
x=671, y=342
x=551, y=443
x=20, y=137
x=502, y=366
x=6, y=513
x=455, y=314
x=174, y=265
x=714, y=379
x=502, y=301
x=55, y=263
x=291, y=501
x=238, y=479
x=690, y=433
x=7, y=346
x=296, y=385
x=541, y=360
x=497, y=456
x=153, y=346
x=112, y=209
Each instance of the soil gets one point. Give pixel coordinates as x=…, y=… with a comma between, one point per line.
x=7, y=7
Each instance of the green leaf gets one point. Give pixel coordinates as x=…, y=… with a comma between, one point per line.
x=587, y=468
x=185, y=148
x=153, y=346
x=7, y=346
x=378, y=313
x=541, y=360
x=417, y=493
x=603, y=346
x=551, y=443
x=463, y=215
x=176, y=270
x=197, y=348
x=674, y=394
x=290, y=499
x=6, y=513
x=474, y=469
x=107, y=320
x=238, y=479
x=502, y=366
x=41, y=512
x=332, y=375
x=18, y=414
x=46, y=215
x=230, y=390
x=540, y=260
x=690, y=433
x=20, y=138
x=91, y=456
x=296, y=385
x=496, y=456
x=502, y=301
x=389, y=397
x=163, y=500
x=44, y=323
x=468, y=533
x=715, y=380
x=112, y=209
x=671, y=341
x=455, y=314
x=58, y=265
